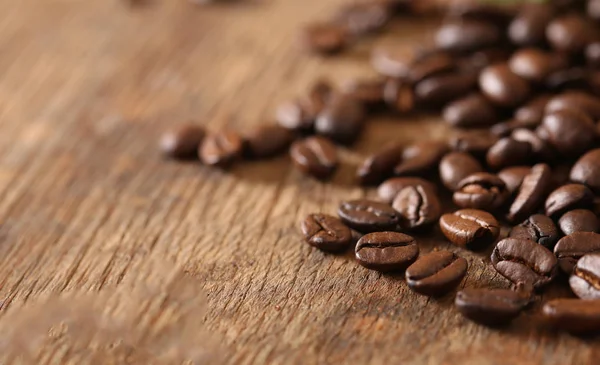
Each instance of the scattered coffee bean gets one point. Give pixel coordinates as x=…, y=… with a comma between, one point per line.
x=421, y=158
x=390, y=188
x=478, y=60
x=538, y=228
x=481, y=190
x=368, y=216
x=513, y=177
x=531, y=194
x=296, y=115
x=579, y=220
x=502, y=87
x=326, y=233
x=535, y=65
x=573, y=315
x=592, y=52
x=268, y=140
x=531, y=114
x=509, y=152
x=439, y=90
x=524, y=261
x=341, y=120
x=436, y=273
x=369, y=92
x=456, y=166
x=476, y=143
x=391, y=62
x=467, y=36
x=399, y=95
x=380, y=165
x=315, y=156
x=325, y=38
x=569, y=197
x=578, y=100
x=528, y=28
x=569, y=78
x=183, y=142
x=480, y=11
x=363, y=17
x=570, y=33
x=593, y=9
x=540, y=149
x=587, y=170
x=490, y=307
x=470, y=228
x=430, y=65
x=585, y=280
x=386, y=251
x=417, y=207
x=221, y=148
x=571, y=248
x=472, y=111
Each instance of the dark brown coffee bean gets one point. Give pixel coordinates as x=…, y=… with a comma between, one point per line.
x=430, y=65
x=470, y=228
x=538, y=228
x=363, y=17
x=531, y=194
x=478, y=11
x=326, y=233
x=379, y=165
x=535, y=65
x=587, y=170
x=579, y=100
x=540, y=149
x=388, y=190
x=341, y=120
x=570, y=33
x=569, y=78
x=438, y=90
x=476, y=143
x=524, y=261
x=386, y=251
x=268, y=140
x=392, y=62
x=569, y=197
x=570, y=131
x=571, y=248
x=456, y=166
x=368, y=216
x=467, y=36
x=481, y=191
x=320, y=92
x=472, y=111
x=399, y=95
x=579, y=220
x=532, y=113
x=509, y=152
x=502, y=87
x=183, y=142
x=369, y=92
x=436, y=273
x=324, y=38
x=575, y=316
x=221, y=148
x=513, y=177
x=417, y=207
x=592, y=52
x=490, y=307
x=585, y=280
x=420, y=158
x=296, y=115
x=528, y=28
x=593, y=9
x=315, y=156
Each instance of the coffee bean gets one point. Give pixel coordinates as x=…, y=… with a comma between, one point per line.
x=368, y=216
x=538, y=228
x=528, y=28
x=490, y=307
x=379, y=165
x=436, y=273
x=531, y=194
x=438, y=90
x=417, y=207
x=535, y=65
x=386, y=251
x=324, y=38
x=363, y=18
x=478, y=60
x=369, y=92
x=540, y=148
x=391, y=62
x=467, y=36
x=569, y=197
x=505, y=129
x=315, y=156
x=430, y=65
x=476, y=143
x=532, y=113
x=481, y=191
x=579, y=220
x=513, y=177
x=571, y=248
x=575, y=316
x=470, y=228
x=524, y=261
x=183, y=142
x=420, y=158
x=326, y=233
x=569, y=78
x=587, y=170
x=502, y=87
x=296, y=115
x=320, y=92
x=592, y=52
x=471, y=111
x=478, y=11
x=388, y=190
x=593, y=9
x=509, y=152
x=574, y=99
x=341, y=120
x=455, y=166
x=221, y=148
x=268, y=140
x=570, y=131
x=399, y=95
x=585, y=280
x=570, y=33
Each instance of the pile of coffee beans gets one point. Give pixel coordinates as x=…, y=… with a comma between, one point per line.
x=523, y=86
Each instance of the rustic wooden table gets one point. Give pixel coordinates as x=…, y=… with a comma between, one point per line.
x=91, y=213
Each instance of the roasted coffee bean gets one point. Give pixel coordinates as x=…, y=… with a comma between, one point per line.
x=509, y=152
x=535, y=65
x=399, y=95
x=587, y=170
x=363, y=17
x=505, y=129
x=368, y=216
x=478, y=60
x=490, y=307
x=574, y=99
x=439, y=90
x=476, y=143
x=420, y=158
x=467, y=36
x=296, y=115
x=342, y=119
x=430, y=65
x=569, y=197
x=571, y=248
x=369, y=92
x=538, y=228
x=471, y=111
x=455, y=166
x=531, y=194
x=221, y=148
x=593, y=9
x=320, y=92
x=513, y=177
x=481, y=191
x=532, y=113
x=183, y=142
x=585, y=280
x=315, y=156
x=528, y=28
x=436, y=273
x=388, y=190
x=478, y=11
x=379, y=165
x=524, y=261
x=579, y=220
x=576, y=316
x=569, y=78
x=570, y=33
x=503, y=87
x=391, y=62
x=326, y=233
x=324, y=38
x=386, y=251
x=417, y=207
x=268, y=140
x=592, y=52
x=470, y=228
x=570, y=131
x=541, y=149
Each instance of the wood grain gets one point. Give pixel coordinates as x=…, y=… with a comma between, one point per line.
x=86, y=202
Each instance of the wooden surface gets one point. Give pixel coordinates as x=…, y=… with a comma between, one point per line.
x=90, y=213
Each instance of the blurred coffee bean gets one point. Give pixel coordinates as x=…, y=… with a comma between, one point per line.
x=490, y=307
x=341, y=120
x=535, y=65
x=528, y=28
x=576, y=316
x=391, y=62
x=315, y=156
x=380, y=165
x=502, y=87
x=531, y=194
x=587, y=170
x=267, y=140
x=399, y=95
x=579, y=220
x=183, y=142
x=579, y=100
x=430, y=65
x=367, y=91
x=542, y=152
x=509, y=152
x=438, y=90
x=221, y=148
x=388, y=190
x=478, y=60
x=592, y=53
x=570, y=131
x=472, y=111
x=363, y=17
x=499, y=15
x=324, y=38
x=481, y=190
x=467, y=36
x=570, y=33
x=532, y=113
x=569, y=78
x=456, y=166
x=569, y=197
x=420, y=158
x=476, y=143
x=593, y=9
x=513, y=177
x=296, y=115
